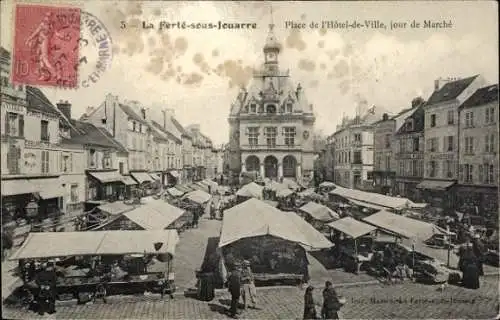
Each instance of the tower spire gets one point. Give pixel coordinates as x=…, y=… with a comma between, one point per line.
x=271, y=25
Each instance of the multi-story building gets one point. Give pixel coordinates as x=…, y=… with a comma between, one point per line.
x=170, y=159
x=271, y=123
x=188, y=166
x=354, y=150
x=441, y=139
x=478, y=153
x=329, y=159
x=408, y=151
x=202, y=155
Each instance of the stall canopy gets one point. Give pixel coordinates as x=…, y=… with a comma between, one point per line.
x=174, y=174
x=155, y=176
x=183, y=189
x=326, y=184
x=319, y=212
x=141, y=177
x=352, y=227
x=283, y=193
x=18, y=186
x=198, y=196
x=275, y=186
x=435, y=185
x=127, y=180
x=366, y=204
x=250, y=190
x=307, y=193
x=115, y=208
x=61, y=244
x=254, y=218
x=156, y=215
x=201, y=186
x=175, y=192
x=290, y=184
x=372, y=198
x=403, y=226
x=211, y=183
x=107, y=176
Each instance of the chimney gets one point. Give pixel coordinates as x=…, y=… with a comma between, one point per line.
x=195, y=127
x=299, y=90
x=167, y=113
x=65, y=108
x=440, y=82
x=385, y=117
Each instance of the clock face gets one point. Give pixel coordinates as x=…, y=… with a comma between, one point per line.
x=271, y=56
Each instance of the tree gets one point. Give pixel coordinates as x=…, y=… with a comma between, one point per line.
x=417, y=102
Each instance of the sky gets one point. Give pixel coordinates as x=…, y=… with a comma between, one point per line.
x=198, y=73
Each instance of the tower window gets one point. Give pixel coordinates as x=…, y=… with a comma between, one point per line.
x=271, y=109
x=289, y=107
x=253, y=108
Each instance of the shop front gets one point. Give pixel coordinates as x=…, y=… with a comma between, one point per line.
x=485, y=199
x=172, y=178
x=144, y=181
x=406, y=187
x=105, y=185
x=16, y=195
x=438, y=193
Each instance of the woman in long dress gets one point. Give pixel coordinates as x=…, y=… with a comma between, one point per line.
x=309, y=305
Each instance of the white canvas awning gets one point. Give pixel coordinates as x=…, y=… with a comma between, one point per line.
x=141, y=177
x=62, y=244
x=175, y=192
x=372, y=198
x=155, y=215
x=174, y=173
x=107, y=176
x=327, y=184
x=319, y=212
x=352, y=227
x=250, y=190
x=155, y=176
x=52, y=192
x=18, y=186
x=254, y=218
x=198, y=196
x=115, y=208
x=129, y=181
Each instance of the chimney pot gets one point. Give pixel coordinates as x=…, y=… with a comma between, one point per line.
x=65, y=108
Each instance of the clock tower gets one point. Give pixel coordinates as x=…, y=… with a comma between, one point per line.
x=271, y=50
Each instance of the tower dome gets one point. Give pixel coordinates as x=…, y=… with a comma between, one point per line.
x=272, y=43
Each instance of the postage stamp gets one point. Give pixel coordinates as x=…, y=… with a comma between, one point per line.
x=46, y=46
x=96, y=51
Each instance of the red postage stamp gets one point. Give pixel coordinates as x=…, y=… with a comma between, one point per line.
x=46, y=46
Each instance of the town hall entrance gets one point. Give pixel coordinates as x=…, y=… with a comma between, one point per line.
x=252, y=164
x=271, y=167
x=289, y=167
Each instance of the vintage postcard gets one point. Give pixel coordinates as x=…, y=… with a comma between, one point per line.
x=249, y=159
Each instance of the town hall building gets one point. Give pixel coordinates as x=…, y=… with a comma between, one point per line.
x=271, y=123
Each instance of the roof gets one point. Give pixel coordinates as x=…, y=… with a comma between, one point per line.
x=116, y=208
x=89, y=134
x=352, y=227
x=450, y=90
x=168, y=134
x=4, y=53
x=129, y=111
x=62, y=244
x=372, y=198
x=319, y=211
x=154, y=215
x=403, y=226
x=37, y=101
x=181, y=129
x=251, y=190
x=254, y=218
x=481, y=97
x=198, y=196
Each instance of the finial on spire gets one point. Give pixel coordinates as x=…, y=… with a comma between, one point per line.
x=271, y=25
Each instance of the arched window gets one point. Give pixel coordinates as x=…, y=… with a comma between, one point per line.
x=289, y=107
x=271, y=109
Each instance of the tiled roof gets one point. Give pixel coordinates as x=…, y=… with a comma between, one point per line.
x=169, y=134
x=481, y=97
x=131, y=113
x=4, y=53
x=89, y=134
x=37, y=101
x=451, y=90
x=181, y=128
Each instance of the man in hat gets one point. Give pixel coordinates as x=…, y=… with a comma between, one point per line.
x=234, y=287
x=248, y=289
x=331, y=303
x=47, y=281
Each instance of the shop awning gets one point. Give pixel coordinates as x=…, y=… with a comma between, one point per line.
x=115, y=208
x=107, y=176
x=141, y=177
x=63, y=244
x=183, y=189
x=52, y=192
x=319, y=212
x=18, y=186
x=372, y=198
x=435, y=185
x=175, y=192
x=155, y=215
x=326, y=184
x=198, y=196
x=250, y=190
x=254, y=218
x=155, y=176
x=352, y=227
x=174, y=173
x=127, y=180
x=283, y=193
x=366, y=204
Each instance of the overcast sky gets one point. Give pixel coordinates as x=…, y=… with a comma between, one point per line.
x=197, y=73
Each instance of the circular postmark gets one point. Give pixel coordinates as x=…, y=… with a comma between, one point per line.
x=96, y=50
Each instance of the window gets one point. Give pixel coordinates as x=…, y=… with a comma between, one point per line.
x=253, y=136
x=432, y=168
x=44, y=133
x=271, y=109
x=133, y=125
x=469, y=145
x=13, y=159
x=451, y=117
x=469, y=119
x=14, y=124
x=490, y=115
x=67, y=163
x=409, y=125
x=416, y=144
x=432, y=145
x=74, y=193
x=92, y=158
x=401, y=168
x=433, y=120
x=449, y=143
x=253, y=108
x=448, y=169
x=467, y=175
x=45, y=162
x=108, y=190
x=387, y=140
x=402, y=145
x=489, y=143
x=357, y=157
x=489, y=174
x=289, y=107
x=414, y=168
x=140, y=128
x=106, y=160
x=271, y=133
x=289, y=133
x=120, y=166
x=357, y=137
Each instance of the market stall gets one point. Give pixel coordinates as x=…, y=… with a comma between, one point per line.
x=198, y=197
x=250, y=190
x=318, y=215
x=325, y=187
x=352, y=247
x=274, y=241
x=102, y=263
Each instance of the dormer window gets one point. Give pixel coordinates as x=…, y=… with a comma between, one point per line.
x=253, y=108
x=270, y=109
x=409, y=125
x=289, y=107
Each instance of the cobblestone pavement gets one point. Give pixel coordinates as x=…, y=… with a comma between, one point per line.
x=403, y=301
